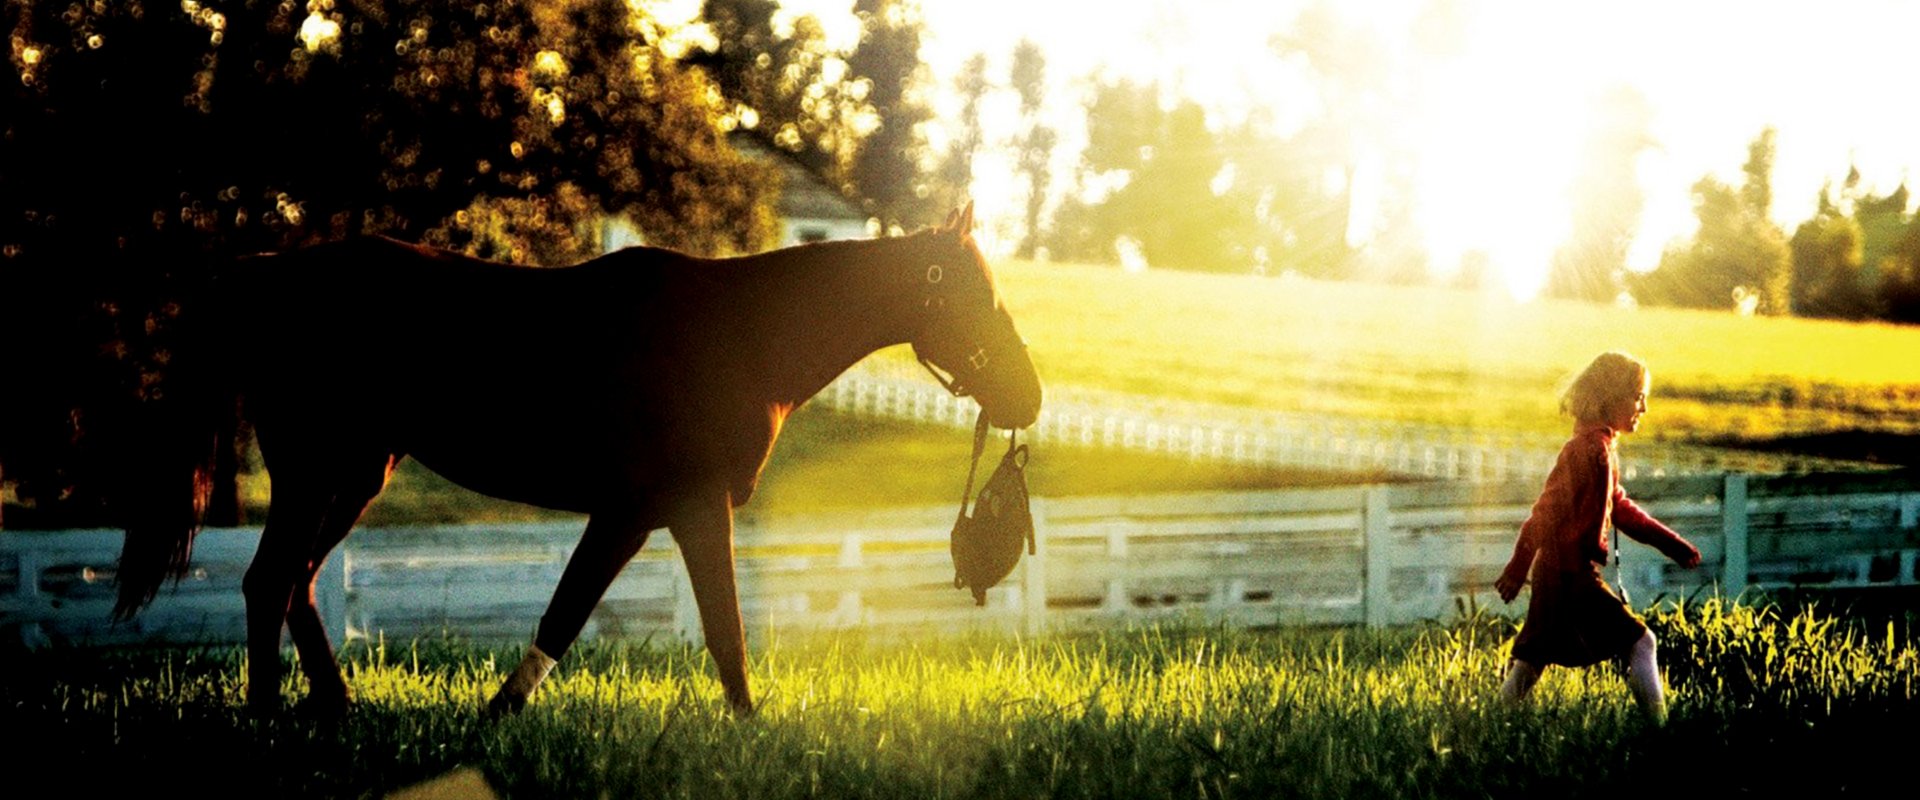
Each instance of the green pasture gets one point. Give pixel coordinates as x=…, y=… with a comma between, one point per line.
x=1763, y=703
x=1456, y=358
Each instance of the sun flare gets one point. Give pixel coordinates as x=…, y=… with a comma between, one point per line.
x=1479, y=109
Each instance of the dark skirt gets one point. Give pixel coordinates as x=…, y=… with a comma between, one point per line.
x=1575, y=620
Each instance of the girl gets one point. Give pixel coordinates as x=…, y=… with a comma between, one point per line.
x=1574, y=619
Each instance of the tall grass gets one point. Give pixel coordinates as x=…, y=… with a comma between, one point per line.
x=1762, y=703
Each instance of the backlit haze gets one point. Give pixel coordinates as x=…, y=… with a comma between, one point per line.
x=1481, y=105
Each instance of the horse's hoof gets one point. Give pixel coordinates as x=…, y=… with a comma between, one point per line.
x=503, y=705
x=326, y=706
x=743, y=711
x=263, y=707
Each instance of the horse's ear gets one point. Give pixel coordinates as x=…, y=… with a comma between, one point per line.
x=961, y=221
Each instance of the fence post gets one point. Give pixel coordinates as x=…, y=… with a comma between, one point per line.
x=330, y=595
x=1033, y=579
x=686, y=612
x=1733, y=535
x=852, y=605
x=1375, y=526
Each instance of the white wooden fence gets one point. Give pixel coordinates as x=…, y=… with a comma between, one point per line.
x=1375, y=555
x=1215, y=433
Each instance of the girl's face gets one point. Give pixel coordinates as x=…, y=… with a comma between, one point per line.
x=1623, y=414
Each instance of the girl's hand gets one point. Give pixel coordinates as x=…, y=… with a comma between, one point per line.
x=1509, y=587
x=1688, y=558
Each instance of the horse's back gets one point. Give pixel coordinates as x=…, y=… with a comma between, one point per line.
x=510, y=380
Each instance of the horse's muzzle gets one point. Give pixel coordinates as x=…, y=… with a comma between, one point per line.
x=1011, y=399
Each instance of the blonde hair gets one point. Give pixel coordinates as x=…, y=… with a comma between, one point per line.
x=1610, y=377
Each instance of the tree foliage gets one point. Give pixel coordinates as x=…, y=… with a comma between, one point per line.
x=956, y=168
x=1175, y=200
x=856, y=118
x=1900, y=285
x=787, y=86
x=1033, y=145
x=1739, y=259
x=1827, y=258
x=891, y=167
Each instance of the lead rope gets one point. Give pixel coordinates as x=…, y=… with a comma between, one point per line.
x=979, y=446
x=1613, y=539
x=1619, y=579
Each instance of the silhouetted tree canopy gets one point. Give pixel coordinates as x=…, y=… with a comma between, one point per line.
x=853, y=117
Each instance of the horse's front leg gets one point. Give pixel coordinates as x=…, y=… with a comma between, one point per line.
x=703, y=528
x=612, y=539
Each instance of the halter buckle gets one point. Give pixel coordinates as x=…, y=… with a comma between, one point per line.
x=951, y=384
x=979, y=359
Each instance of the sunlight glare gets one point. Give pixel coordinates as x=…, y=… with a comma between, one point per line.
x=1498, y=138
x=318, y=32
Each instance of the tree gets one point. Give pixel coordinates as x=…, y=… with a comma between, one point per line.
x=1900, y=284
x=779, y=81
x=1826, y=278
x=144, y=143
x=1739, y=259
x=1606, y=201
x=1034, y=145
x=1179, y=200
x=888, y=168
x=1884, y=223
x=956, y=171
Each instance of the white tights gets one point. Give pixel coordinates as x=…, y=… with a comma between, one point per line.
x=1643, y=677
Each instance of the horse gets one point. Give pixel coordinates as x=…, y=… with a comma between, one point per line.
x=644, y=388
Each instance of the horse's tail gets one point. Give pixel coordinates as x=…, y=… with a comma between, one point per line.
x=163, y=474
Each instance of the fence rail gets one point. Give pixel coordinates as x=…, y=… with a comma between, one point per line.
x=1375, y=555
x=1239, y=435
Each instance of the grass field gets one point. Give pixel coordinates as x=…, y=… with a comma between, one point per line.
x=1451, y=357
x=1764, y=703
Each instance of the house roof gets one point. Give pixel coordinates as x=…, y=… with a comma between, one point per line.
x=803, y=195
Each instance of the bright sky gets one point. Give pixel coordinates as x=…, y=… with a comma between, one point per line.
x=1490, y=121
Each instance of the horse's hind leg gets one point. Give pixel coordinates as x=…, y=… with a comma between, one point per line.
x=294, y=516
x=317, y=496
x=326, y=687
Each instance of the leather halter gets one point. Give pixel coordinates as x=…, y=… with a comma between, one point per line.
x=934, y=303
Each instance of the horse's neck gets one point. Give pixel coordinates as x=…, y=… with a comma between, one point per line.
x=831, y=304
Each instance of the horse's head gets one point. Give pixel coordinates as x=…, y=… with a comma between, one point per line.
x=966, y=333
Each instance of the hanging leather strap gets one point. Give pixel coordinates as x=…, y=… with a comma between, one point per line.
x=979, y=446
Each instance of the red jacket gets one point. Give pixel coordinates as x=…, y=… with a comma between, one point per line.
x=1567, y=531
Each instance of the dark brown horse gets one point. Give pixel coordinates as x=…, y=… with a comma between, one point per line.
x=644, y=388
